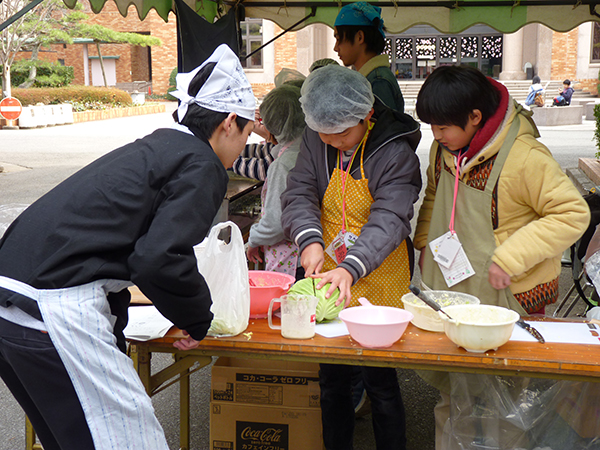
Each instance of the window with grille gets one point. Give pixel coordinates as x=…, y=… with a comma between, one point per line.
x=595, y=57
x=251, y=30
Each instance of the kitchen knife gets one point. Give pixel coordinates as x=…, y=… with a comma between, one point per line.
x=429, y=302
x=535, y=333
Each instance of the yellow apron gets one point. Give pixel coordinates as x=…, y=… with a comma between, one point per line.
x=389, y=282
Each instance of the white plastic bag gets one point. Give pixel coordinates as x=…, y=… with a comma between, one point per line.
x=225, y=270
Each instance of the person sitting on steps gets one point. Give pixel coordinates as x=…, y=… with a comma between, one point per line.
x=564, y=96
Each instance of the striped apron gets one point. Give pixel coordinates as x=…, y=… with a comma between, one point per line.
x=78, y=320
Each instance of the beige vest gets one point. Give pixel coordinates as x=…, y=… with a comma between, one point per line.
x=474, y=228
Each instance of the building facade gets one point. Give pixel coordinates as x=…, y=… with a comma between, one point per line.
x=533, y=50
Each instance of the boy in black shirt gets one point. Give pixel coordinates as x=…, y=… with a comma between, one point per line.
x=131, y=217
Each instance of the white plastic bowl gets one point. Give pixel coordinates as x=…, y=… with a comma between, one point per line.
x=479, y=328
x=426, y=317
x=376, y=326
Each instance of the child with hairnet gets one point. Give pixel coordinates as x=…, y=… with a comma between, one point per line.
x=348, y=205
x=284, y=120
x=256, y=158
x=254, y=161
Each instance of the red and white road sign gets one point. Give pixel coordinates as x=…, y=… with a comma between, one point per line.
x=10, y=108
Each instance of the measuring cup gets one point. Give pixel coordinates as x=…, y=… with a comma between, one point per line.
x=298, y=316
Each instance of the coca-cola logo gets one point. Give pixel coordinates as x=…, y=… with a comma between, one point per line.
x=271, y=435
x=268, y=435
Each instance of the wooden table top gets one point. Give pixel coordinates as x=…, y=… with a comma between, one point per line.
x=417, y=349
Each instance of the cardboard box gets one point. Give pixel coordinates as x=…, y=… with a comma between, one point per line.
x=265, y=405
x=266, y=383
x=245, y=427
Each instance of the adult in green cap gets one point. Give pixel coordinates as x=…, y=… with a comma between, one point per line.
x=359, y=41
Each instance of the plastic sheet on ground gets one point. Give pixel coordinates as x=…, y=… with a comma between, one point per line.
x=496, y=412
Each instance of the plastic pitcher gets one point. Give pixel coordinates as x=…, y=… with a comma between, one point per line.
x=298, y=316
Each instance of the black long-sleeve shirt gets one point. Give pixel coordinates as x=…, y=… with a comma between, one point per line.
x=134, y=214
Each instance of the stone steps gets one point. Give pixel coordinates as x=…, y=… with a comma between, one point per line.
x=518, y=89
x=591, y=169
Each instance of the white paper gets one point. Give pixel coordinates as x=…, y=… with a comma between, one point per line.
x=447, y=250
x=146, y=323
x=560, y=332
x=461, y=267
x=331, y=329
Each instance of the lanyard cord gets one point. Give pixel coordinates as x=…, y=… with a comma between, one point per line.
x=345, y=174
x=283, y=149
x=451, y=226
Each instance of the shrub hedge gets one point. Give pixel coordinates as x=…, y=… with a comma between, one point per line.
x=172, y=84
x=49, y=74
x=81, y=97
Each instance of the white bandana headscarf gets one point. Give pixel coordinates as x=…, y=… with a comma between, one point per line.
x=226, y=90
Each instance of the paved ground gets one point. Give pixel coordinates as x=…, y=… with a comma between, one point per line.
x=36, y=160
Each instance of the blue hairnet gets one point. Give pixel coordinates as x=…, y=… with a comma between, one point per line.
x=335, y=98
x=281, y=113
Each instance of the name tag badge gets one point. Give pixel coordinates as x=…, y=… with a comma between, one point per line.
x=338, y=249
x=447, y=249
x=350, y=239
x=451, y=258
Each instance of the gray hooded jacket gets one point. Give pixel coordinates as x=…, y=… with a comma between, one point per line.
x=392, y=168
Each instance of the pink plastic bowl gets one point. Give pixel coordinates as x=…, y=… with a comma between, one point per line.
x=376, y=326
x=265, y=286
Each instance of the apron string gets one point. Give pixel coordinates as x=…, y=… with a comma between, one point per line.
x=19, y=287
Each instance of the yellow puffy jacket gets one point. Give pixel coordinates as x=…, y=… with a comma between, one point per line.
x=540, y=212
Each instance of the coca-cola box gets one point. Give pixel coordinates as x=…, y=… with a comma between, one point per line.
x=244, y=427
x=257, y=404
x=260, y=382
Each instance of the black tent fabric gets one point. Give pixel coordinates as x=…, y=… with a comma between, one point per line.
x=197, y=39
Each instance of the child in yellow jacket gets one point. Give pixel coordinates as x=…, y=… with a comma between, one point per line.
x=515, y=210
x=496, y=190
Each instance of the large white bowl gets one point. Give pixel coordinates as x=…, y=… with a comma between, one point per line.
x=375, y=326
x=479, y=328
x=426, y=317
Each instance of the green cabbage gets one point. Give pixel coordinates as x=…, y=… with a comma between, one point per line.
x=326, y=309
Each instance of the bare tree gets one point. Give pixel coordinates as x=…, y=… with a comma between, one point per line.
x=54, y=29
x=14, y=37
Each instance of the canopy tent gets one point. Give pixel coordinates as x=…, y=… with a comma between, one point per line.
x=447, y=16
